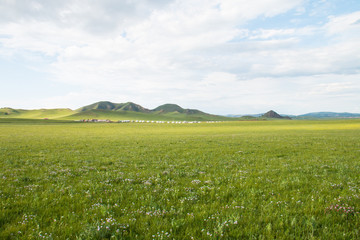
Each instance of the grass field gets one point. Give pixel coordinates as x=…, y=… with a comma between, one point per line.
x=233, y=180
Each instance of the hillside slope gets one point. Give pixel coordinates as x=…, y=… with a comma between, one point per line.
x=132, y=115
x=167, y=108
x=132, y=111
x=36, y=114
x=105, y=105
x=273, y=114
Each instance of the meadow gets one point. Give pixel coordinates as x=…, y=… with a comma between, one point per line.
x=230, y=180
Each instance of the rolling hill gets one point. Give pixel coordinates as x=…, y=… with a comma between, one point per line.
x=36, y=114
x=105, y=105
x=273, y=114
x=313, y=115
x=115, y=111
x=166, y=112
x=168, y=108
x=132, y=111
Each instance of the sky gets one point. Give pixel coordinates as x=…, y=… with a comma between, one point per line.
x=218, y=56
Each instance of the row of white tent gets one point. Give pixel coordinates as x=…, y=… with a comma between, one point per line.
x=144, y=121
x=152, y=121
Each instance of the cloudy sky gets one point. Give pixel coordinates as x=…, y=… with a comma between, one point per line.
x=219, y=56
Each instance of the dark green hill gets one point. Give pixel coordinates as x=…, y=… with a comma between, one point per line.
x=129, y=106
x=168, y=108
x=8, y=111
x=166, y=111
x=273, y=114
x=115, y=111
x=105, y=105
x=132, y=111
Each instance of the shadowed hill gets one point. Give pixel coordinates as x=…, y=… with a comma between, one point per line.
x=167, y=108
x=115, y=111
x=129, y=110
x=99, y=105
x=132, y=111
x=8, y=111
x=105, y=105
x=273, y=114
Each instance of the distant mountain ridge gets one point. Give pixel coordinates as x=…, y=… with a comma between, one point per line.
x=328, y=115
x=115, y=111
x=133, y=111
x=130, y=106
x=313, y=115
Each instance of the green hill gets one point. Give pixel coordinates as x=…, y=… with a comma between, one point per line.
x=273, y=114
x=4, y=112
x=167, y=108
x=129, y=106
x=114, y=112
x=175, y=111
x=165, y=112
x=132, y=111
x=36, y=114
x=105, y=105
x=99, y=105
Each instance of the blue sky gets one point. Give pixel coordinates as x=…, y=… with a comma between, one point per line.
x=222, y=57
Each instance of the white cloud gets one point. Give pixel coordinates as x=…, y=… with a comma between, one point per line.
x=183, y=51
x=348, y=24
x=339, y=88
x=216, y=78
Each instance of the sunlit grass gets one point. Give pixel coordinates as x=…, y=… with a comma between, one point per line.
x=250, y=180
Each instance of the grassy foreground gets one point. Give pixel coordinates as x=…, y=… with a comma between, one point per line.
x=234, y=180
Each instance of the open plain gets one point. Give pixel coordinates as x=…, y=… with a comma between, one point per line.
x=231, y=180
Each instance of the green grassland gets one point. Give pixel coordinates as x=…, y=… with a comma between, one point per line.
x=231, y=180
